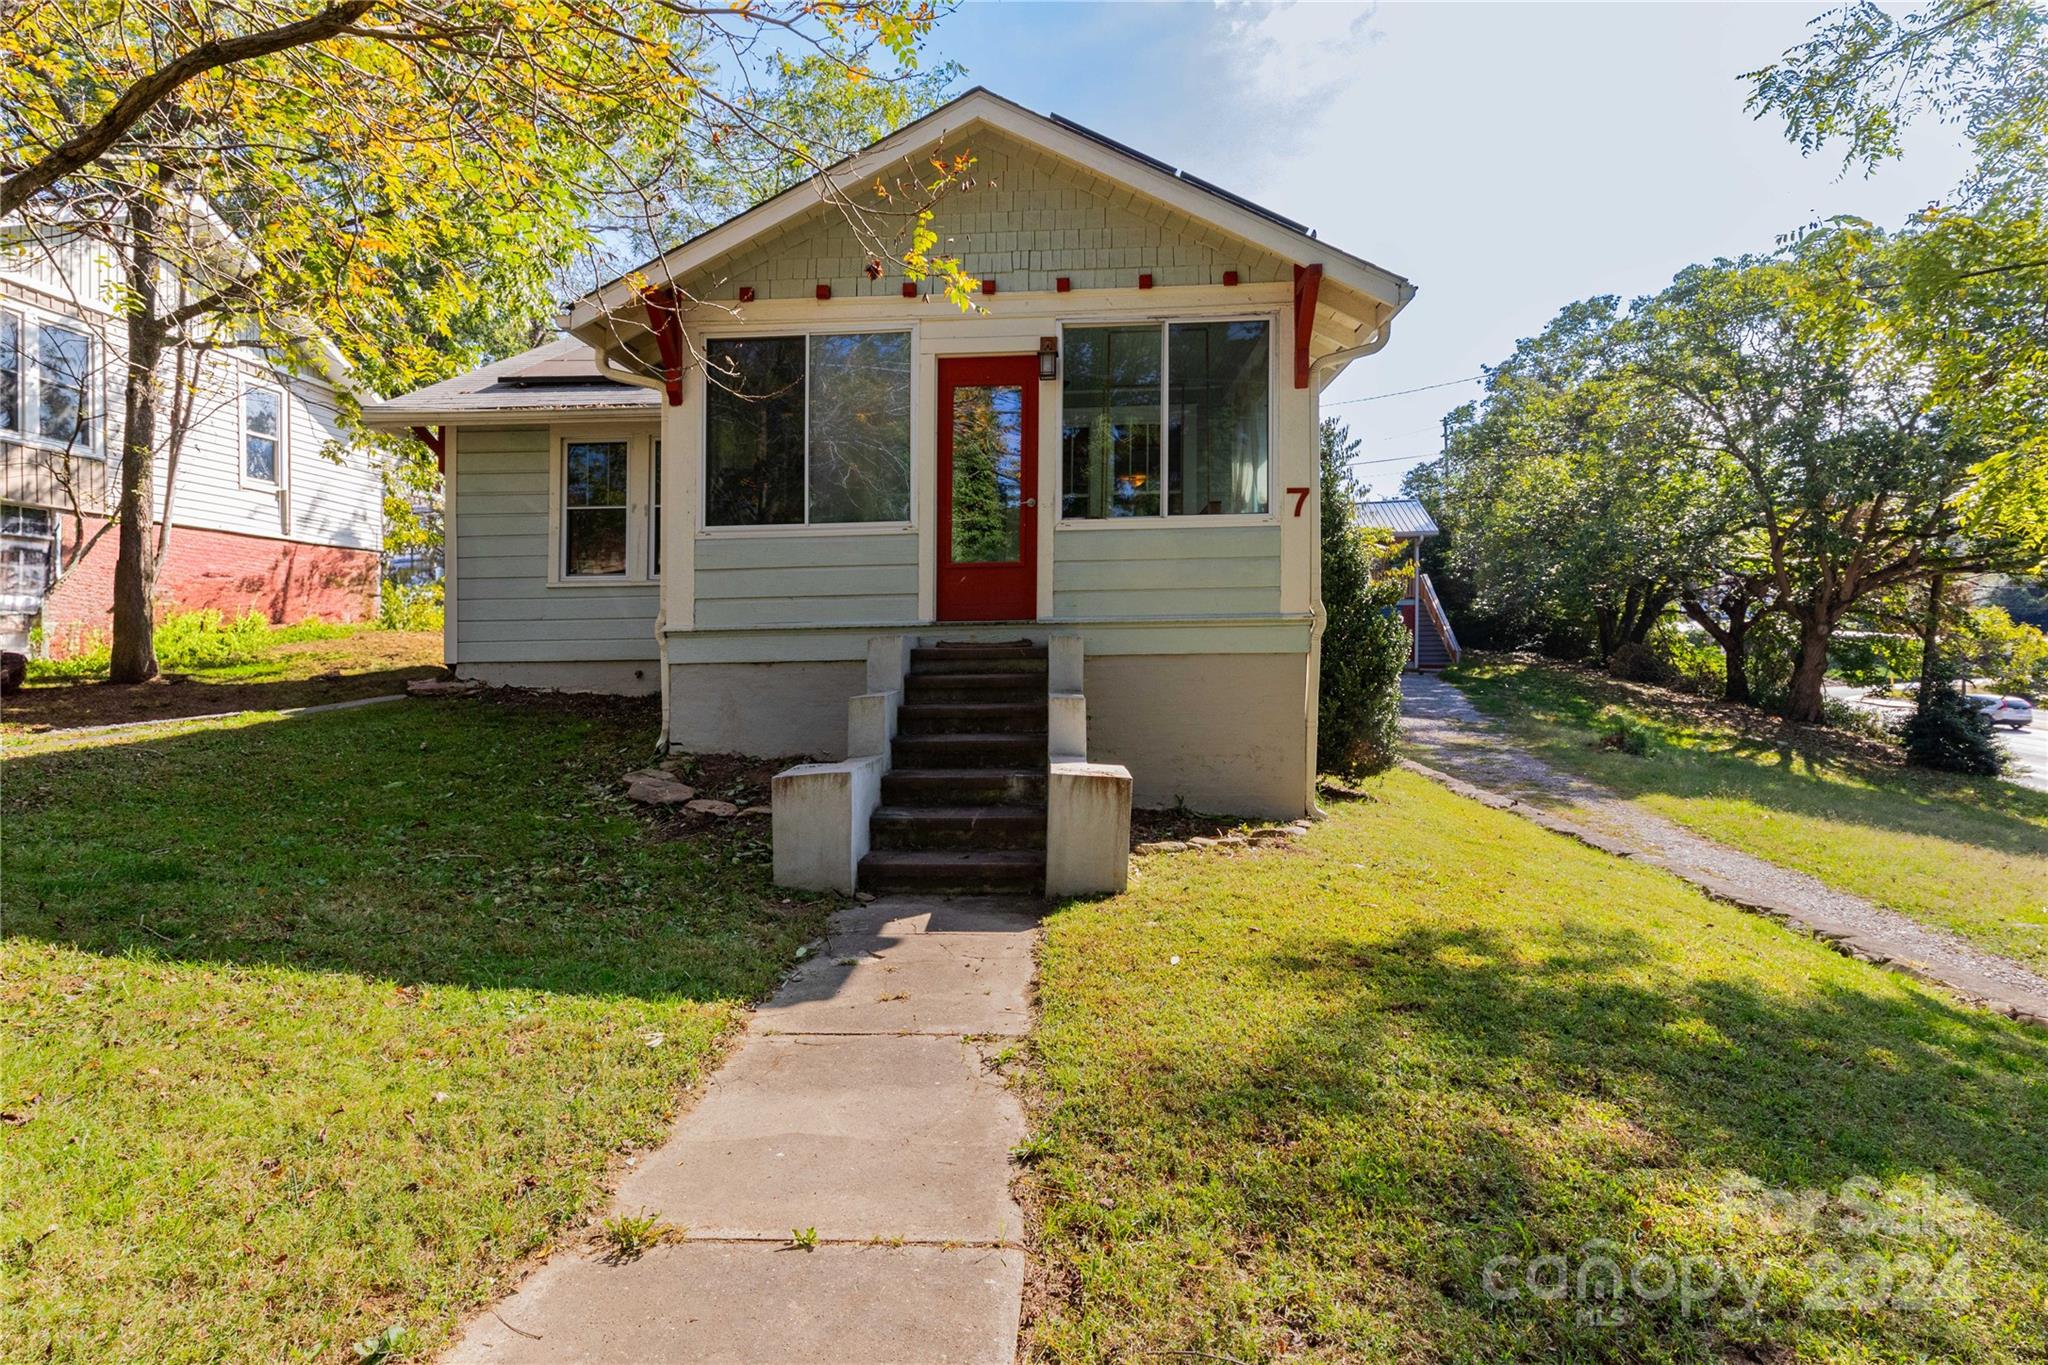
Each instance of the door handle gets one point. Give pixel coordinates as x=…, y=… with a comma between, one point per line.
x=1031, y=502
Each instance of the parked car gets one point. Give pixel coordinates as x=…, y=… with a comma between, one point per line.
x=2014, y=711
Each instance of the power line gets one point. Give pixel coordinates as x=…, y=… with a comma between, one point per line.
x=1397, y=459
x=1402, y=393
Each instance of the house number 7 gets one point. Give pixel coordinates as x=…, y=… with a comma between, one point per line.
x=1300, y=499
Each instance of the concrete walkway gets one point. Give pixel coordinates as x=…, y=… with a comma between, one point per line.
x=862, y=1102
x=1455, y=744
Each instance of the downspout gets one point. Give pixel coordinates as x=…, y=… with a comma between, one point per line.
x=1318, y=617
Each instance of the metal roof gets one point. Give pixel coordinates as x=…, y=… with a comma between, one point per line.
x=558, y=377
x=1405, y=517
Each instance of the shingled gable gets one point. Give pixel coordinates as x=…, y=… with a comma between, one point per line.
x=1352, y=299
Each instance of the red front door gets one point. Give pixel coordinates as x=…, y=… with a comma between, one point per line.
x=988, y=489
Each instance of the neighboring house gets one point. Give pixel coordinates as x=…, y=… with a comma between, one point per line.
x=1119, y=449
x=261, y=515
x=1435, y=646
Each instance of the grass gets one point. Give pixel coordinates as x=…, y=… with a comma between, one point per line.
x=1967, y=854
x=1293, y=1103
x=219, y=667
x=313, y=1028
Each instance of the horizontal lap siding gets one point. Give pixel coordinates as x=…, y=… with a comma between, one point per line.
x=812, y=580
x=1166, y=572
x=505, y=609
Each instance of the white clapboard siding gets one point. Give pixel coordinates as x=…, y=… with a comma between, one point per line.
x=506, y=611
x=807, y=580
x=1104, y=573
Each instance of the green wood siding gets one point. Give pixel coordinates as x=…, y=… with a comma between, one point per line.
x=505, y=612
x=807, y=580
x=1166, y=571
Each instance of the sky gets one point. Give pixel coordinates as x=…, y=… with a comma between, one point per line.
x=1506, y=158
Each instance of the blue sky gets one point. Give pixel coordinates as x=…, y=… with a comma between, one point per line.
x=1506, y=158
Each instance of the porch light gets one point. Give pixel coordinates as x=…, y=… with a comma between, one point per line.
x=1048, y=357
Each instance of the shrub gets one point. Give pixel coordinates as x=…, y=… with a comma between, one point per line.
x=1624, y=733
x=1637, y=663
x=1947, y=732
x=410, y=606
x=1365, y=645
x=1871, y=659
x=1692, y=662
x=1837, y=714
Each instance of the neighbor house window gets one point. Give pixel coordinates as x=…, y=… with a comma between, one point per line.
x=808, y=430
x=262, y=434
x=63, y=374
x=594, y=508
x=10, y=372
x=1169, y=419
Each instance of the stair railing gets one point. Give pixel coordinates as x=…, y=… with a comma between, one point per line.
x=1436, y=614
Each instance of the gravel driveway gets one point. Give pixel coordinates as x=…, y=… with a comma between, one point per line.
x=1448, y=738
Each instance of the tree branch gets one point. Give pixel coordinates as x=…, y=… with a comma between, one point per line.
x=88, y=145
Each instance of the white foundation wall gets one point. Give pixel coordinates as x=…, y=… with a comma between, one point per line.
x=779, y=710
x=1223, y=732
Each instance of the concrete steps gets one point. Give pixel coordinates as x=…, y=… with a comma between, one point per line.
x=964, y=872
x=909, y=828
x=964, y=801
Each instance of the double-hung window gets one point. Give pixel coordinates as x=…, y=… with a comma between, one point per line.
x=807, y=430
x=262, y=435
x=63, y=385
x=1166, y=419
x=594, y=508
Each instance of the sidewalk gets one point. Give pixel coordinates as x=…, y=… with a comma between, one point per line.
x=1454, y=743
x=863, y=1103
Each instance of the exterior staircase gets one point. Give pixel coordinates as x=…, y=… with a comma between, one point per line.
x=963, y=806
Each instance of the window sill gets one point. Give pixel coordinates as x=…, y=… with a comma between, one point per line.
x=828, y=528
x=614, y=580
x=1157, y=523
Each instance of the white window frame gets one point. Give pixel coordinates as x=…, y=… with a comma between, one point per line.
x=639, y=514
x=653, y=507
x=284, y=432
x=1164, y=517
x=806, y=527
x=19, y=429
x=28, y=394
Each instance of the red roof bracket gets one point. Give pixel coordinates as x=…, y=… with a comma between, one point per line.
x=667, y=325
x=1307, y=280
x=436, y=440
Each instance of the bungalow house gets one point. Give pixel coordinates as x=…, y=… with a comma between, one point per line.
x=268, y=507
x=1435, y=644
x=765, y=480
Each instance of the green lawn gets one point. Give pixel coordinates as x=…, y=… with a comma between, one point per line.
x=1293, y=1104
x=1967, y=854
x=311, y=1027
x=208, y=671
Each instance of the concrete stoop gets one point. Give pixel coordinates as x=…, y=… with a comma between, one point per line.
x=862, y=1102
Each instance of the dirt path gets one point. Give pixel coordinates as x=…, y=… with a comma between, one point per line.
x=1451, y=741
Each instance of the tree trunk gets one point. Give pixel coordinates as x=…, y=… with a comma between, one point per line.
x=1603, y=618
x=134, y=649
x=1735, y=654
x=1930, y=637
x=1809, y=671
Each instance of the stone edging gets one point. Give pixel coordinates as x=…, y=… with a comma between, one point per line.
x=1848, y=945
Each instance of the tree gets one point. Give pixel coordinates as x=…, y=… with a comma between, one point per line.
x=402, y=178
x=1867, y=73
x=1364, y=644
x=1854, y=471
x=1576, y=493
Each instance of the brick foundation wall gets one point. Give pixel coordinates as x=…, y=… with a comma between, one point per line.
x=286, y=580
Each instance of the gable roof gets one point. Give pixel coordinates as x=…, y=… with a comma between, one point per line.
x=1406, y=518
x=1380, y=293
